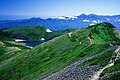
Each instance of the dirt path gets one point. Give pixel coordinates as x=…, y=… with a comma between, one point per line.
x=70, y=34
x=90, y=40
x=97, y=75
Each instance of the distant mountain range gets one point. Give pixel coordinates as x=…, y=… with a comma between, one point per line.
x=61, y=23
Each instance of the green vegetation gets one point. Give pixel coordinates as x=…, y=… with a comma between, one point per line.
x=9, y=49
x=4, y=36
x=103, y=33
x=30, y=33
x=116, y=67
x=103, y=60
x=56, y=54
x=114, y=77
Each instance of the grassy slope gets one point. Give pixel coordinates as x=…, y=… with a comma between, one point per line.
x=10, y=49
x=4, y=36
x=114, y=77
x=102, y=60
x=32, y=33
x=59, y=52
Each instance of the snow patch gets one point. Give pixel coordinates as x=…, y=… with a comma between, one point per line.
x=94, y=21
x=99, y=21
x=86, y=21
x=19, y=40
x=67, y=17
x=48, y=30
x=70, y=17
x=107, y=19
x=61, y=17
x=92, y=24
x=42, y=39
x=73, y=17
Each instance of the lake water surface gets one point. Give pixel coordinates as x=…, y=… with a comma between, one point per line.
x=34, y=43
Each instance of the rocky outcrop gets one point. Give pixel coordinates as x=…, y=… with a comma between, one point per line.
x=75, y=73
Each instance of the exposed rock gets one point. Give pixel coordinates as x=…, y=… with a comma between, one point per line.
x=73, y=72
x=1, y=43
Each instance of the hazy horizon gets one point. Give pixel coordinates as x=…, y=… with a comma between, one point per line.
x=6, y=17
x=22, y=9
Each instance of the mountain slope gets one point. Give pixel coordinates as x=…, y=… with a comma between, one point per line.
x=30, y=33
x=73, y=49
x=9, y=50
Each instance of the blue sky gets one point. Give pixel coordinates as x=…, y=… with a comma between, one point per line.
x=52, y=8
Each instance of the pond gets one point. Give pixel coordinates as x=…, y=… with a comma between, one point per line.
x=33, y=43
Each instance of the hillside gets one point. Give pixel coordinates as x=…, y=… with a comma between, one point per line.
x=30, y=33
x=86, y=54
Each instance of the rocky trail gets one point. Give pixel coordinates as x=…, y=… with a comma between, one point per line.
x=73, y=72
x=111, y=63
x=97, y=74
x=117, y=51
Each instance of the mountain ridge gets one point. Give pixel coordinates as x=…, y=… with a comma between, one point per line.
x=30, y=33
x=62, y=23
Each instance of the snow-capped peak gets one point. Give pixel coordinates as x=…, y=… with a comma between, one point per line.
x=71, y=17
x=62, y=17
x=67, y=17
x=48, y=30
